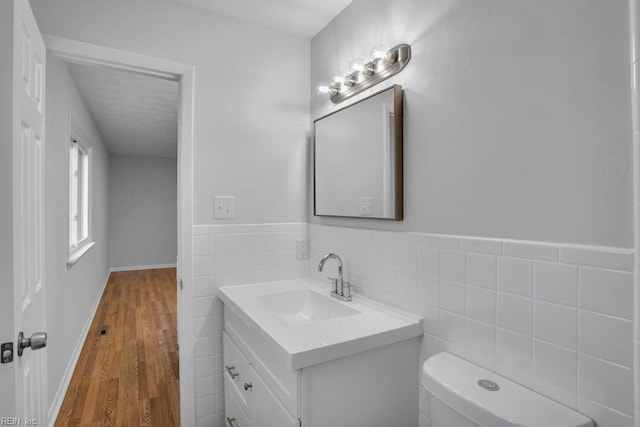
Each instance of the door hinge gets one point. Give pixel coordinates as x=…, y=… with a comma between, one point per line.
x=181, y=285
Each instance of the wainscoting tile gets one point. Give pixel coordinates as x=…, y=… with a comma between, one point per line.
x=515, y=276
x=557, y=283
x=613, y=259
x=607, y=292
x=482, y=270
x=555, y=365
x=528, y=310
x=531, y=250
x=606, y=383
x=557, y=324
x=606, y=337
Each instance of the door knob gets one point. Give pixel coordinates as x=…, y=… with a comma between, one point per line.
x=37, y=341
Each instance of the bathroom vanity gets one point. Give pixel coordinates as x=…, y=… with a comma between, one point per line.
x=293, y=356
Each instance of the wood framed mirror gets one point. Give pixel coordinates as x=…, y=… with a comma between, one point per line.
x=358, y=159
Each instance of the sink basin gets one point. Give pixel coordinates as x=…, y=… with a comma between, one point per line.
x=299, y=319
x=304, y=305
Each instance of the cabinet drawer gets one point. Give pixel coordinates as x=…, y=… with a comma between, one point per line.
x=237, y=372
x=234, y=416
x=283, y=382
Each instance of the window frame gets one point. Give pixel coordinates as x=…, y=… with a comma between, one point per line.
x=79, y=207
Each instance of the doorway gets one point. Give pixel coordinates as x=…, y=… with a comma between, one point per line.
x=82, y=53
x=123, y=201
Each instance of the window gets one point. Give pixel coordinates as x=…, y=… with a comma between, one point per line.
x=79, y=198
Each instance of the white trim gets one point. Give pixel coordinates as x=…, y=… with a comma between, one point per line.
x=186, y=335
x=76, y=131
x=85, y=53
x=76, y=136
x=56, y=404
x=388, y=190
x=634, y=21
x=78, y=253
x=142, y=267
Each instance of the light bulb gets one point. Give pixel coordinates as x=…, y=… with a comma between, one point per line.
x=356, y=65
x=359, y=65
x=379, y=51
x=324, y=88
x=338, y=80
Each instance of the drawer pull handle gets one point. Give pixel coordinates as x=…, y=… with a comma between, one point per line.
x=230, y=421
x=230, y=371
x=247, y=386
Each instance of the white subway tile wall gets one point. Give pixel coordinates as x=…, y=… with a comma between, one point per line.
x=232, y=255
x=555, y=318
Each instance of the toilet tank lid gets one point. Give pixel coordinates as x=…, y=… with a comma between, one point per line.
x=455, y=382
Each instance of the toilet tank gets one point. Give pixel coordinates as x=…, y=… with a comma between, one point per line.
x=456, y=398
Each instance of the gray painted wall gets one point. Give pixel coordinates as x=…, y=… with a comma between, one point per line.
x=251, y=118
x=142, y=211
x=71, y=293
x=517, y=117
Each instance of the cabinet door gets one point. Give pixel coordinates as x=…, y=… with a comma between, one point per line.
x=267, y=410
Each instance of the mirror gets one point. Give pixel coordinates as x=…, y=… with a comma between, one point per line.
x=358, y=159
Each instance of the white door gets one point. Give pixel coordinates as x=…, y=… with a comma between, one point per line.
x=28, y=196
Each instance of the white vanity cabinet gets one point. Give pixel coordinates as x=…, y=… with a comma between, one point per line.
x=373, y=388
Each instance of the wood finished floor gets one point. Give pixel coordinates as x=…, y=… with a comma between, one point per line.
x=129, y=377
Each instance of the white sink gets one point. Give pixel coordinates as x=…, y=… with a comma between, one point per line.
x=305, y=305
x=308, y=326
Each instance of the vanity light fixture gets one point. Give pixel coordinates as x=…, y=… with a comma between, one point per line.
x=383, y=63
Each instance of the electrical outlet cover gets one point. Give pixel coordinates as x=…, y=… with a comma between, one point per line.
x=224, y=207
x=302, y=249
x=366, y=206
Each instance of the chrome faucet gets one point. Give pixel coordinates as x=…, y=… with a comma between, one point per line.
x=339, y=284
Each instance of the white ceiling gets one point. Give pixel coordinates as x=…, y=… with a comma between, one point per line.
x=304, y=18
x=136, y=115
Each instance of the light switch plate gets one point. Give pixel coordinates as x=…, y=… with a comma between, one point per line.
x=366, y=206
x=224, y=207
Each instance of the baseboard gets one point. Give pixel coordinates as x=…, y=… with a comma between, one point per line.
x=54, y=408
x=142, y=267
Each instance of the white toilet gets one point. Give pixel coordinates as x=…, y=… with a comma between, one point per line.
x=462, y=394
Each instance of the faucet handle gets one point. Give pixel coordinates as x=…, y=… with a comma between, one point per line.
x=334, y=282
x=350, y=287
